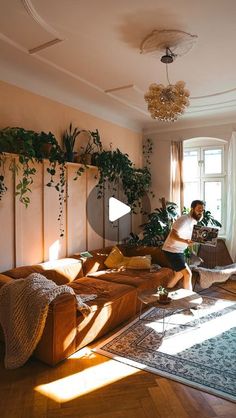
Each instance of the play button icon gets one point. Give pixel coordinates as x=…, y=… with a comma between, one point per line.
x=117, y=209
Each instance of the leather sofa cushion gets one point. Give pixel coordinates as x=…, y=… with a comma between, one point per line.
x=106, y=291
x=96, y=262
x=4, y=279
x=141, y=279
x=60, y=271
x=115, y=304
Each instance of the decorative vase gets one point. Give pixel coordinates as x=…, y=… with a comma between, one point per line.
x=163, y=296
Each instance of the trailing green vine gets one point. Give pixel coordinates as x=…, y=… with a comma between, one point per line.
x=3, y=188
x=60, y=187
x=31, y=147
x=23, y=186
x=115, y=168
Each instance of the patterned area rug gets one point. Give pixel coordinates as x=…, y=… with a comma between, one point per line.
x=197, y=348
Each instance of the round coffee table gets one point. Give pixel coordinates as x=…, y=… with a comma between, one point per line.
x=180, y=300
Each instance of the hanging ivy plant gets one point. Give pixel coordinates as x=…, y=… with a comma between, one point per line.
x=20, y=141
x=116, y=168
x=3, y=188
x=60, y=187
x=147, y=152
x=31, y=147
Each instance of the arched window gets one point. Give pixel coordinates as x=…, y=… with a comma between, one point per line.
x=205, y=175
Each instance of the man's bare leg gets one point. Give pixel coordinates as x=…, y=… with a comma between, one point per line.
x=184, y=274
x=187, y=278
x=178, y=275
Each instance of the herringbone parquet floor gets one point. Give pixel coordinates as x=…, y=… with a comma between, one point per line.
x=92, y=386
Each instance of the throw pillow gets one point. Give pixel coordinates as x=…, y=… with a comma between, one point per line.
x=115, y=258
x=138, y=262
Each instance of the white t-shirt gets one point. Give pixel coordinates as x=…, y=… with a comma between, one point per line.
x=184, y=228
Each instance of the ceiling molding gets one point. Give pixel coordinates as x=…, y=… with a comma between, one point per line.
x=198, y=123
x=214, y=94
x=32, y=12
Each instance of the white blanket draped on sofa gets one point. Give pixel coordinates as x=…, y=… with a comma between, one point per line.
x=217, y=274
x=24, y=306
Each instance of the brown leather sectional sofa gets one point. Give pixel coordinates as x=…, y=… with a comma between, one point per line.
x=67, y=330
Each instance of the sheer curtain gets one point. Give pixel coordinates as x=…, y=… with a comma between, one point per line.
x=231, y=199
x=177, y=186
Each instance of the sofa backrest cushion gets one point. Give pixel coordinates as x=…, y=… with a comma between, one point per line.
x=94, y=263
x=60, y=271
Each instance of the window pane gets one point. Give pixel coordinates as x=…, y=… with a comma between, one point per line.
x=191, y=192
x=213, y=198
x=191, y=168
x=213, y=161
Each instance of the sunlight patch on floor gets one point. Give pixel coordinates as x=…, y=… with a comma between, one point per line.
x=188, y=336
x=88, y=380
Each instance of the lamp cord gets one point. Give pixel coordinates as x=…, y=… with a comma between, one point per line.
x=167, y=75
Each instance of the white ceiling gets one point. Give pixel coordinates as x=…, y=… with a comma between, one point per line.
x=99, y=49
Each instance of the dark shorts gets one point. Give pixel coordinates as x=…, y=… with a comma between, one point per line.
x=176, y=260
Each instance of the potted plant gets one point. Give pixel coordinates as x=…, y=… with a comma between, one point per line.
x=69, y=137
x=162, y=293
x=92, y=148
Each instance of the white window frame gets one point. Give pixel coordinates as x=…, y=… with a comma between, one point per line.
x=202, y=177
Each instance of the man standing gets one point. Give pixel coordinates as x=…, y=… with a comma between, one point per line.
x=178, y=240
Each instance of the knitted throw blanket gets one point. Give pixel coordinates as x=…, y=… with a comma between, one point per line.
x=218, y=274
x=23, y=311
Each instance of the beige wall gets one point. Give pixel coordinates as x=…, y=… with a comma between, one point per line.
x=19, y=107
x=29, y=235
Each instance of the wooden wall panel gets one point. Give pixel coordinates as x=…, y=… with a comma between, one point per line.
x=28, y=222
x=124, y=223
x=32, y=235
x=95, y=215
x=54, y=245
x=7, y=222
x=111, y=228
x=76, y=211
